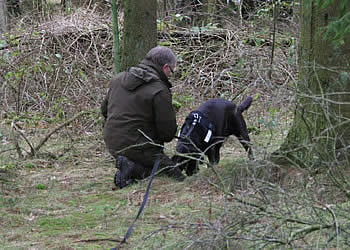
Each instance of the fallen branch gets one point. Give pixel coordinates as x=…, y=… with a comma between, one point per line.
x=15, y=141
x=7, y=150
x=42, y=142
x=25, y=138
x=34, y=150
x=307, y=230
x=96, y=240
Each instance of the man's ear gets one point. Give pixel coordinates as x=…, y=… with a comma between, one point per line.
x=163, y=68
x=245, y=104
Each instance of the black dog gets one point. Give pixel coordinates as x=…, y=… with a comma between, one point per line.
x=205, y=129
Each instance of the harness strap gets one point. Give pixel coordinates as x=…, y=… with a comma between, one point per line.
x=194, y=123
x=198, y=118
x=126, y=236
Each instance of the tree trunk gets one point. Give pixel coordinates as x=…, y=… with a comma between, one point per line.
x=211, y=11
x=140, y=30
x=116, y=51
x=3, y=17
x=321, y=129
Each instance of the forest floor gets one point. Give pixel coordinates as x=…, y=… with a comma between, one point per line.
x=64, y=197
x=69, y=201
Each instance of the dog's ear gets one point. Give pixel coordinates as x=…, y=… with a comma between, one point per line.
x=245, y=104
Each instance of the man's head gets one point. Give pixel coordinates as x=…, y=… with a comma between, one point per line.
x=164, y=58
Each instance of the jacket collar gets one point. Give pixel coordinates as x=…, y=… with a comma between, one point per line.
x=157, y=70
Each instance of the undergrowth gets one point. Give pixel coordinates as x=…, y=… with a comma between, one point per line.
x=60, y=195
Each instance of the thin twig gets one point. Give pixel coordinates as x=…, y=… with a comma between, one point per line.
x=96, y=240
x=42, y=142
x=32, y=150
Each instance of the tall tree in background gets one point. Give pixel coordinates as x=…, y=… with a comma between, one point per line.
x=116, y=49
x=321, y=130
x=3, y=16
x=140, y=30
x=211, y=10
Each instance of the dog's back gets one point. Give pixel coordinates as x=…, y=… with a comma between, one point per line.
x=219, y=112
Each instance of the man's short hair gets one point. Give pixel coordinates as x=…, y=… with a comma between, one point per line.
x=161, y=55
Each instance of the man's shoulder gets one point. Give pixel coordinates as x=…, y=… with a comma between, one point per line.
x=154, y=87
x=119, y=75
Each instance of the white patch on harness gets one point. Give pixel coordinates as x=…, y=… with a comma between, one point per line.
x=208, y=136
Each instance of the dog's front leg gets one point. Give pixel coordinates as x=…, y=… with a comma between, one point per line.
x=192, y=167
x=246, y=144
x=180, y=160
x=213, y=155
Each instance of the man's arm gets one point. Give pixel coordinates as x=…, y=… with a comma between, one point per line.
x=165, y=117
x=104, y=107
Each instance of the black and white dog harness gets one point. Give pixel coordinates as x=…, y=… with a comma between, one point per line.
x=198, y=129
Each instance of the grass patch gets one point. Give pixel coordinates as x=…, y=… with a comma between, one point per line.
x=68, y=202
x=62, y=198
x=233, y=209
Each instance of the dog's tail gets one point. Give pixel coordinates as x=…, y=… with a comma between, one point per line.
x=245, y=104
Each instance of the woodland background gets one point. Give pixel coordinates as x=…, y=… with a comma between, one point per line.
x=56, y=175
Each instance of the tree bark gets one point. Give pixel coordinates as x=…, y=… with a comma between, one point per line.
x=116, y=51
x=211, y=10
x=3, y=17
x=140, y=30
x=321, y=129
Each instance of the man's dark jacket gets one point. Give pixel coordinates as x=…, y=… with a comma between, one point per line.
x=138, y=105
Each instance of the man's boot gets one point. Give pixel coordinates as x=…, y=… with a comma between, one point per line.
x=128, y=171
x=123, y=176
